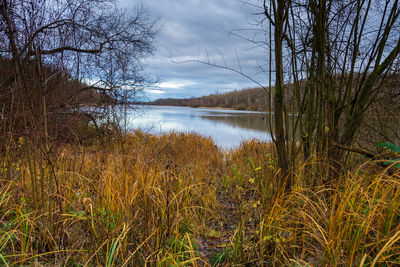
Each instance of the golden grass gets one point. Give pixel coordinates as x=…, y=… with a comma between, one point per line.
x=179, y=200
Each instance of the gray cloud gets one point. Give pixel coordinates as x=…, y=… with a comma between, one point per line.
x=200, y=29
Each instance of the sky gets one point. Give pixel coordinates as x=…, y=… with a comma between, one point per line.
x=203, y=30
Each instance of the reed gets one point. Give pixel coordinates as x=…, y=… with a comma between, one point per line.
x=177, y=199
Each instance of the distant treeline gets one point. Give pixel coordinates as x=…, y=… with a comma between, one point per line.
x=246, y=99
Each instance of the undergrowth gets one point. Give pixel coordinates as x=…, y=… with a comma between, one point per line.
x=178, y=200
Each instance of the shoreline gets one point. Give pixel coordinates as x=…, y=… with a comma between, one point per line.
x=202, y=107
x=221, y=108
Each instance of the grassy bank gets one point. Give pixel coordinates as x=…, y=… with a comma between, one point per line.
x=179, y=200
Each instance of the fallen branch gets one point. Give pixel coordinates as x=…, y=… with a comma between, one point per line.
x=366, y=153
x=355, y=149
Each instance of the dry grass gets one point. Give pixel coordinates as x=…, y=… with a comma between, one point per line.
x=179, y=200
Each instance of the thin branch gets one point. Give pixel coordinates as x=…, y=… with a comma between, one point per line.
x=221, y=67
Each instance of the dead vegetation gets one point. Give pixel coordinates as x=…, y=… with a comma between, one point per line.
x=179, y=200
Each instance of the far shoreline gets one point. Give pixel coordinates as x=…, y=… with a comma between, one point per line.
x=218, y=108
x=202, y=107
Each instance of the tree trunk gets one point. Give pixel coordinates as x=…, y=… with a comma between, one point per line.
x=280, y=142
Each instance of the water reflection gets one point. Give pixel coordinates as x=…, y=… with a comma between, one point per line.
x=259, y=122
x=227, y=128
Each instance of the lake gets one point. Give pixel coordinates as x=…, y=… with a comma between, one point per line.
x=228, y=128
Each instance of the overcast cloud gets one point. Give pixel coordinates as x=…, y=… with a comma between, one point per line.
x=200, y=29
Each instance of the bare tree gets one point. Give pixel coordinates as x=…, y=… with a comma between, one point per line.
x=338, y=57
x=59, y=55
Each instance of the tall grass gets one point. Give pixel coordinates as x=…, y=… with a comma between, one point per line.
x=177, y=199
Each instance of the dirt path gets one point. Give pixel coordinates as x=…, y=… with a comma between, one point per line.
x=213, y=246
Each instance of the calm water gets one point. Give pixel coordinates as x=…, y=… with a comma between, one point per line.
x=228, y=128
